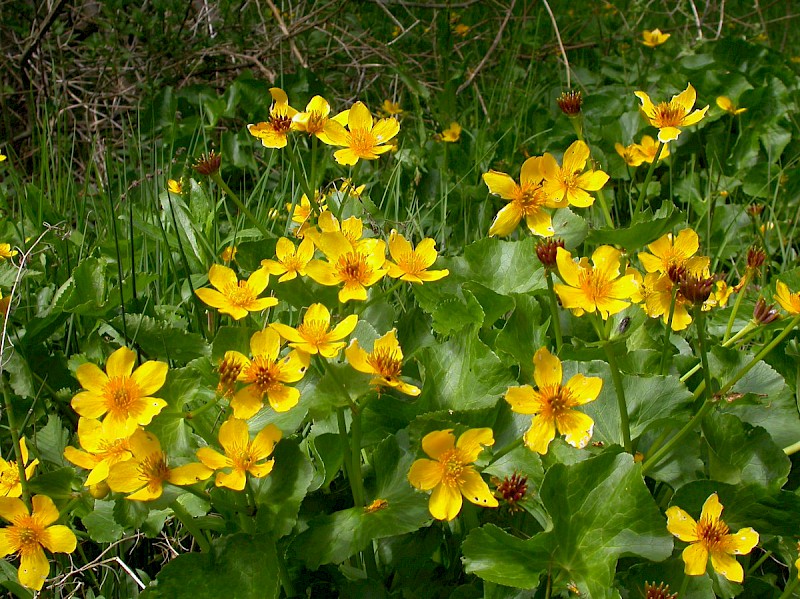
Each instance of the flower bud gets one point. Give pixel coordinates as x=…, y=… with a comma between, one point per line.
x=765, y=314
x=512, y=490
x=755, y=257
x=651, y=591
x=546, y=251
x=570, y=102
x=696, y=289
x=208, y=164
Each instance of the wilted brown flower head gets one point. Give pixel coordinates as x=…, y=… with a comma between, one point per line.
x=755, y=210
x=755, y=257
x=208, y=164
x=570, y=102
x=651, y=591
x=696, y=289
x=546, y=251
x=512, y=490
x=765, y=314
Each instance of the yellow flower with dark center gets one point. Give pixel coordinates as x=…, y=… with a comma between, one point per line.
x=273, y=134
x=675, y=256
x=552, y=404
x=144, y=475
x=657, y=292
x=31, y=533
x=728, y=106
x=235, y=297
x=121, y=393
x=266, y=374
x=710, y=537
x=390, y=108
x=6, y=251
x=411, y=264
x=101, y=450
x=789, y=301
x=452, y=134
x=568, y=183
x=315, y=117
x=654, y=38
x=668, y=117
x=174, y=186
x=9, y=472
x=242, y=455
x=290, y=261
x=385, y=361
x=450, y=472
x=354, y=267
x=363, y=138
x=314, y=335
x=526, y=200
x=594, y=288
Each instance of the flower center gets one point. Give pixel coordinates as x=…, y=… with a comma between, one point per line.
x=531, y=198
x=558, y=398
x=387, y=362
x=316, y=122
x=314, y=331
x=292, y=263
x=711, y=532
x=241, y=456
x=28, y=533
x=668, y=114
x=121, y=393
x=362, y=142
x=263, y=373
x=153, y=468
x=411, y=263
x=352, y=267
x=112, y=450
x=9, y=477
x=240, y=295
x=280, y=123
x=594, y=285
x=452, y=464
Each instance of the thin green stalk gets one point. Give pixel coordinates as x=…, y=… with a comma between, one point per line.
x=601, y=198
x=700, y=325
x=188, y=522
x=749, y=327
x=736, y=304
x=554, y=310
x=290, y=150
x=204, y=408
x=14, y=430
x=386, y=293
x=668, y=330
x=792, y=449
x=240, y=205
x=185, y=261
x=684, y=586
x=616, y=376
x=355, y=456
x=788, y=591
x=283, y=573
x=647, y=178
x=347, y=462
x=507, y=449
x=756, y=565
x=113, y=219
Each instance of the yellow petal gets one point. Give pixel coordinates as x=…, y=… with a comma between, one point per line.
x=236, y=480
x=189, y=474
x=121, y=363
x=212, y=458
x=475, y=489
x=221, y=276
x=473, y=441
x=11, y=508
x=8, y=543
x=523, y=400
x=539, y=435
x=358, y=358
x=445, y=502
x=712, y=508
x=575, y=157
x=695, y=558
x=124, y=477
x=360, y=117
x=44, y=510
x=647, y=105
x=91, y=377
x=265, y=441
x=547, y=368
x=667, y=134
x=352, y=291
x=344, y=328
x=506, y=220
x=59, y=539
x=33, y=569
x=385, y=129
x=233, y=434
x=686, y=98
x=89, y=405
x=247, y=402
x=283, y=398
x=425, y=474
x=150, y=376
x=727, y=565
x=435, y=443
x=740, y=543
x=576, y=427
x=584, y=389
x=152, y=491
x=278, y=95
x=682, y=525
x=266, y=342
x=531, y=171
x=501, y=184
x=567, y=268
x=287, y=332
x=540, y=223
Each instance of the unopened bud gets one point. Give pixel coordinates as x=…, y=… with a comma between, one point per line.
x=570, y=102
x=765, y=314
x=546, y=251
x=208, y=164
x=512, y=490
x=755, y=257
x=696, y=289
x=229, y=368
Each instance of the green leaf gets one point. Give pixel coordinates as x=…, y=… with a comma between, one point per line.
x=329, y=455
x=56, y=484
x=524, y=333
x=160, y=340
x=601, y=511
x=505, y=267
x=89, y=293
x=51, y=440
x=101, y=524
x=230, y=339
x=648, y=228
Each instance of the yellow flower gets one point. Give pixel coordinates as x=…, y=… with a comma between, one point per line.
x=9, y=472
x=235, y=297
x=229, y=253
x=385, y=361
x=728, y=106
x=657, y=292
x=229, y=369
x=789, y=301
x=412, y=264
x=568, y=183
x=352, y=228
x=273, y=133
x=121, y=393
x=350, y=189
x=719, y=296
x=174, y=186
x=355, y=266
x=599, y=287
x=391, y=108
x=302, y=212
x=669, y=116
x=313, y=120
x=552, y=404
x=2, y=157
x=6, y=251
x=266, y=374
x=102, y=450
x=29, y=534
x=144, y=475
x=654, y=38
x=363, y=138
x=636, y=154
x=290, y=261
x=450, y=473
x=675, y=256
x=314, y=335
x=710, y=537
x=461, y=29
x=241, y=454
x=630, y=154
x=452, y=134
x=526, y=199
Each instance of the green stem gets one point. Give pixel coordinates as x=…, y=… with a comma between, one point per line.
x=616, y=376
x=240, y=205
x=604, y=208
x=684, y=586
x=14, y=430
x=554, y=310
x=188, y=522
x=732, y=341
x=347, y=461
x=788, y=591
x=643, y=191
x=792, y=449
x=507, y=449
x=760, y=561
x=653, y=460
x=301, y=176
x=204, y=408
x=283, y=573
x=666, y=343
x=389, y=291
x=355, y=456
x=700, y=325
x=736, y=304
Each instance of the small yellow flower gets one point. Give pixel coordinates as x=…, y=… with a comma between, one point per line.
x=451, y=473
x=9, y=472
x=315, y=117
x=235, y=297
x=594, y=288
x=552, y=404
x=242, y=455
x=390, y=108
x=719, y=296
x=636, y=154
x=630, y=154
x=351, y=190
x=654, y=38
x=229, y=253
x=101, y=450
x=412, y=264
x=461, y=29
x=355, y=267
x=789, y=301
x=452, y=134
x=273, y=134
x=31, y=533
x=6, y=251
x=728, y=106
x=266, y=374
x=302, y=211
x=144, y=475
x=174, y=186
x=657, y=290
x=2, y=157
x=668, y=117
x=290, y=261
x=363, y=138
x=121, y=393
x=710, y=537
x=314, y=335
x=675, y=256
x=568, y=183
x=385, y=361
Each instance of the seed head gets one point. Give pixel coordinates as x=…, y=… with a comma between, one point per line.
x=570, y=102
x=208, y=164
x=512, y=490
x=651, y=591
x=696, y=289
x=755, y=257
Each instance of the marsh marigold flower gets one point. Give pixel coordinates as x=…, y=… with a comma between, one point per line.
x=789, y=301
x=452, y=134
x=3, y=157
x=450, y=472
x=313, y=120
x=101, y=450
x=364, y=138
x=352, y=228
x=235, y=297
x=675, y=256
x=668, y=117
x=174, y=186
x=314, y=335
x=6, y=252
x=552, y=404
x=290, y=261
x=10, y=485
x=144, y=475
x=710, y=537
x=568, y=183
x=121, y=393
x=355, y=267
x=273, y=133
x=266, y=375
x=229, y=253
x=654, y=38
x=726, y=104
x=637, y=154
x=598, y=287
x=391, y=108
x=242, y=456
x=31, y=533
x=411, y=264
x=525, y=200
x=657, y=290
x=301, y=212
x=385, y=362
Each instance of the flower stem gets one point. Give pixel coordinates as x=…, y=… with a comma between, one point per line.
x=684, y=586
x=301, y=176
x=188, y=522
x=604, y=208
x=758, y=563
x=15, y=442
x=736, y=304
x=668, y=330
x=507, y=449
x=647, y=178
x=788, y=591
x=554, y=310
x=700, y=325
x=283, y=574
x=616, y=376
x=240, y=205
x=732, y=341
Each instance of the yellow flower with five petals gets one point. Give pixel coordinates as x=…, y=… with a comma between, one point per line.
x=234, y=297
x=675, y=256
x=568, y=183
x=100, y=450
x=411, y=264
x=385, y=362
x=290, y=261
x=314, y=335
x=654, y=38
x=364, y=138
x=273, y=133
x=355, y=267
x=315, y=117
x=668, y=117
x=6, y=251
